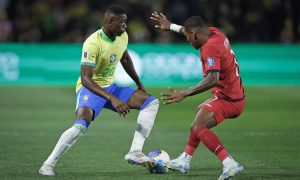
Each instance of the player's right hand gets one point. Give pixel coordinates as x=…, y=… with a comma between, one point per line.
x=121, y=107
x=161, y=19
x=174, y=96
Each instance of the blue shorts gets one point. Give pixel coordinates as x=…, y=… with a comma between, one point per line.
x=85, y=98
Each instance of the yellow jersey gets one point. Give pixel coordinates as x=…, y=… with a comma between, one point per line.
x=100, y=52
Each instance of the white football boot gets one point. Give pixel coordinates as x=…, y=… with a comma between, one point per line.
x=182, y=163
x=139, y=158
x=46, y=170
x=230, y=170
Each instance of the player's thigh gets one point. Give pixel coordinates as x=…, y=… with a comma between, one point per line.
x=223, y=109
x=88, y=104
x=137, y=99
x=205, y=118
x=133, y=97
x=202, y=104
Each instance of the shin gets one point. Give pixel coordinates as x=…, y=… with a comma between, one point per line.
x=145, y=123
x=66, y=141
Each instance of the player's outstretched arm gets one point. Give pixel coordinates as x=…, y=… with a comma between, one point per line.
x=164, y=24
x=129, y=68
x=211, y=80
x=174, y=95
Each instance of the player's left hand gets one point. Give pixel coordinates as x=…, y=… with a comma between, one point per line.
x=174, y=96
x=161, y=19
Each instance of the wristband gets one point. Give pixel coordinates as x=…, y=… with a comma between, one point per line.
x=175, y=28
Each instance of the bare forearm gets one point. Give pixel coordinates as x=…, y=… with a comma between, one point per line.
x=199, y=88
x=129, y=68
x=88, y=83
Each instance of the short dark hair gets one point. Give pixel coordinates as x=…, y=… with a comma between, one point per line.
x=195, y=22
x=116, y=10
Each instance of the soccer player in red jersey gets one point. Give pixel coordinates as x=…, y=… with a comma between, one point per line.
x=221, y=76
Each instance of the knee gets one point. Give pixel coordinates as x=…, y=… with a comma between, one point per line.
x=196, y=125
x=151, y=102
x=85, y=114
x=84, y=118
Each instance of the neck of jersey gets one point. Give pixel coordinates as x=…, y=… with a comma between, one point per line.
x=104, y=36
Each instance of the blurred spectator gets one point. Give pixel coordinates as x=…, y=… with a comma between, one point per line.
x=74, y=20
x=5, y=23
x=5, y=27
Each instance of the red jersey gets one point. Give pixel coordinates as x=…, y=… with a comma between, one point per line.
x=217, y=55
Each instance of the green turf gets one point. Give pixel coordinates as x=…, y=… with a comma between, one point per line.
x=265, y=139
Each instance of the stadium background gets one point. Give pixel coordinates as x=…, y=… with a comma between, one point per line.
x=39, y=64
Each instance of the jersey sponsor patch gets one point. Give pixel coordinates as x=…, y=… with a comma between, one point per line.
x=85, y=55
x=210, y=61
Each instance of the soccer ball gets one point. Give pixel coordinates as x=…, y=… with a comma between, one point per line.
x=162, y=159
x=160, y=156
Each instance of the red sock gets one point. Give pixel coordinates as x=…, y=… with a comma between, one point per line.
x=211, y=141
x=192, y=144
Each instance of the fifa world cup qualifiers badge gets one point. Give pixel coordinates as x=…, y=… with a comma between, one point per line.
x=85, y=55
x=210, y=61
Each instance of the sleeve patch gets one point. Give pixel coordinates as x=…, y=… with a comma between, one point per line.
x=210, y=61
x=85, y=55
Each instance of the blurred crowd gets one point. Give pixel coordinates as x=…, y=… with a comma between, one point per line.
x=73, y=20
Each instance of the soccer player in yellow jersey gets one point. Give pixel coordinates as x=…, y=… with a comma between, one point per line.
x=96, y=90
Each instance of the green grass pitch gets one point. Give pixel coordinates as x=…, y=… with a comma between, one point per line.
x=265, y=138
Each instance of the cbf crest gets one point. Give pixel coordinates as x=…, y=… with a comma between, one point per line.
x=112, y=58
x=85, y=98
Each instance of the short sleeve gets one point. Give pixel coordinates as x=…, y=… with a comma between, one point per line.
x=125, y=37
x=211, y=59
x=90, y=52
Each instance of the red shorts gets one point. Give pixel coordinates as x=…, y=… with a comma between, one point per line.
x=224, y=109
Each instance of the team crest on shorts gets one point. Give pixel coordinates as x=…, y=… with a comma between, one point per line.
x=85, y=98
x=112, y=58
x=210, y=61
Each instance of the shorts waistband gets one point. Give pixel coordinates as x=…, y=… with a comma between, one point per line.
x=234, y=100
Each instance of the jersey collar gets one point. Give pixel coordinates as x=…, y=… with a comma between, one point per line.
x=104, y=36
x=210, y=36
